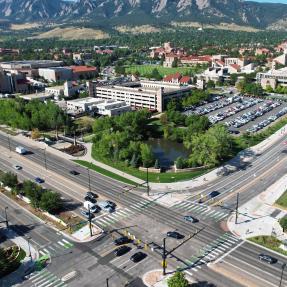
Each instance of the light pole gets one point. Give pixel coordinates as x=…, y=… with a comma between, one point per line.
x=107, y=281
x=164, y=257
x=29, y=246
x=6, y=217
x=45, y=158
x=282, y=273
x=237, y=203
x=9, y=143
x=89, y=178
x=147, y=182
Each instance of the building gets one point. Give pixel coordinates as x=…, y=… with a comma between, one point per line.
x=10, y=52
x=13, y=83
x=273, y=78
x=56, y=74
x=177, y=78
x=96, y=106
x=235, y=61
x=69, y=89
x=262, y=51
x=215, y=74
x=37, y=96
x=167, y=48
x=83, y=56
x=30, y=68
x=84, y=72
x=280, y=60
x=196, y=60
x=142, y=94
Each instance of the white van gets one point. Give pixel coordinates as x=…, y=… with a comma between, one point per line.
x=93, y=207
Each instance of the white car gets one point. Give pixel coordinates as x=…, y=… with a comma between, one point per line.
x=17, y=167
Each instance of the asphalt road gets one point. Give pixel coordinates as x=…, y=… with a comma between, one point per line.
x=59, y=178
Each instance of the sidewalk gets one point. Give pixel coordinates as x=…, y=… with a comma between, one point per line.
x=15, y=278
x=244, y=156
x=258, y=216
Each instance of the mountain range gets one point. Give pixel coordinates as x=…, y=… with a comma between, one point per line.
x=240, y=12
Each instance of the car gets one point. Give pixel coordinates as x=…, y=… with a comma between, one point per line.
x=74, y=172
x=213, y=194
x=122, y=250
x=137, y=257
x=122, y=240
x=174, y=234
x=267, y=258
x=86, y=214
x=91, y=194
x=92, y=200
x=111, y=204
x=39, y=180
x=190, y=218
x=17, y=167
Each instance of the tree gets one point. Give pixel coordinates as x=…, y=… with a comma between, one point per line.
x=9, y=179
x=51, y=202
x=210, y=84
x=35, y=134
x=147, y=155
x=180, y=163
x=156, y=75
x=33, y=192
x=177, y=280
x=163, y=119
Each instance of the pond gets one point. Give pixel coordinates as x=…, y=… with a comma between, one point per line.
x=167, y=151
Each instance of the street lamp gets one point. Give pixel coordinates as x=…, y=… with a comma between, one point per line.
x=29, y=247
x=147, y=181
x=282, y=273
x=6, y=217
x=45, y=158
x=89, y=177
x=107, y=281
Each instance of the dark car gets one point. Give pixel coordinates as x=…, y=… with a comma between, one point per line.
x=137, y=257
x=91, y=194
x=86, y=214
x=174, y=234
x=90, y=199
x=111, y=204
x=209, y=196
x=267, y=258
x=74, y=172
x=122, y=240
x=190, y=218
x=122, y=250
x=39, y=180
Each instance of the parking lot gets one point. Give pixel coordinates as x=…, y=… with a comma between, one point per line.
x=240, y=113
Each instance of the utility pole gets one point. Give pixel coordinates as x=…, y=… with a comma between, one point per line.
x=164, y=257
x=9, y=143
x=89, y=177
x=147, y=182
x=90, y=222
x=30, y=254
x=107, y=281
x=6, y=217
x=237, y=204
x=282, y=273
x=45, y=158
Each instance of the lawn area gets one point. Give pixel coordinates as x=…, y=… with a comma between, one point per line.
x=282, y=200
x=147, y=69
x=153, y=177
x=10, y=259
x=104, y=172
x=270, y=242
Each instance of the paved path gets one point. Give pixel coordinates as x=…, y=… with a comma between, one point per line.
x=259, y=216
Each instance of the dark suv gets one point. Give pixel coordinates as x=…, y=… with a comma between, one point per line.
x=174, y=234
x=267, y=258
x=122, y=250
x=122, y=240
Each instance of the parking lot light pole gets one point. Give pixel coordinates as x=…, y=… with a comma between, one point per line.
x=282, y=273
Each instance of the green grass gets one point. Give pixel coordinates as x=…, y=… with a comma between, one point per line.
x=104, y=172
x=269, y=242
x=167, y=177
x=147, y=69
x=282, y=200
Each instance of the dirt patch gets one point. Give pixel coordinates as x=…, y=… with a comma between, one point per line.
x=138, y=29
x=74, y=150
x=25, y=26
x=73, y=33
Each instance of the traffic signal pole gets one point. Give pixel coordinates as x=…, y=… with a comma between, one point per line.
x=164, y=257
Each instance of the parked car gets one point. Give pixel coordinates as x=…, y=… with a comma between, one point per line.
x=267, y=258
x=174, y=234
x=137, y=257
x=190, y=218
x=90, y=199
x=39, y=180
x=91, y=194
x=122, y=240
x=122, y=250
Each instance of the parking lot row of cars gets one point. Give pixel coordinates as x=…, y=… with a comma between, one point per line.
x=243, y=104
x=268, y=121
x=252, y=115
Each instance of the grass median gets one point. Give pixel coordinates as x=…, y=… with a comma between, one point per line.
x=105, y=172
x=269, y=242
x=282, y=200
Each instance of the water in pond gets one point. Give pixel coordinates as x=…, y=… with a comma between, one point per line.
x=167, y=151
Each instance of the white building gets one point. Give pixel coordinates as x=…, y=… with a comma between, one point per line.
x=142, y=94
x=97, y=106
x=273, y=78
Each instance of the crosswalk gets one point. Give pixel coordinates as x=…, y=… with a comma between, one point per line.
x=201, y=210
x=45, y=278
x=108, y=219
x=210, y=253
x=56, y=248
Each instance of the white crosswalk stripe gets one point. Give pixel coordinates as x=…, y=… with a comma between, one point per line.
x=45, y=278
x=56, y=248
